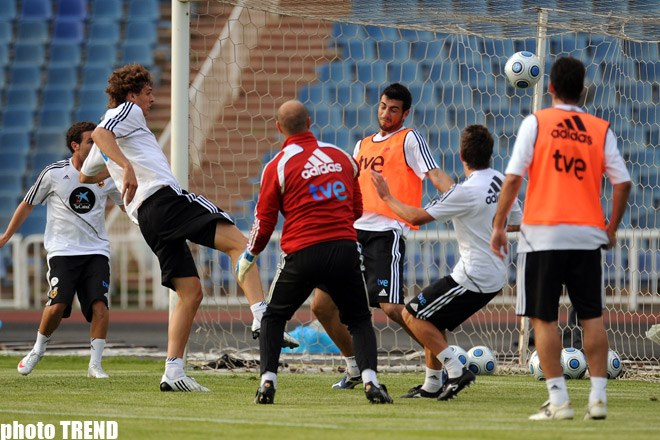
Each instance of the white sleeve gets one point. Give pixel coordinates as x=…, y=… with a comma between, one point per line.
x=39, y=192
x=615, y=167
x=515, y=215
x=418, y=154
x=453, y=203
x=113, y=192
x=94, y=163
x=128, y=119
x=523, y=149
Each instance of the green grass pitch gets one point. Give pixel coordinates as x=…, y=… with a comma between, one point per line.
x=496, y=407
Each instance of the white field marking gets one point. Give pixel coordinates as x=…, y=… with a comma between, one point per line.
x=512, y=426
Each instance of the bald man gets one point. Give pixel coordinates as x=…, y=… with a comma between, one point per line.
x=315, y=186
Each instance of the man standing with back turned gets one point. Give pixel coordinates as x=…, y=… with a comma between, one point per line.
x=566, y=152
x=315, y=186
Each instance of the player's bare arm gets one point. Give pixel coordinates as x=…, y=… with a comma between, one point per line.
x=105, y=140
x=412, y=214
x=621, y=191
x=499, y=240
x=440, y=179
x=21, y=213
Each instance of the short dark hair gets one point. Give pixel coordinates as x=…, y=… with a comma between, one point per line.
x=477, y=146
x=567, y=78
x=400, y=93
x=128, y=79
x=74, y=133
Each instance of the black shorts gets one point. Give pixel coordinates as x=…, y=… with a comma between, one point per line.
x=333, y=264
x=446, y=304
x=88, y=276
x=167, y=219
x=383, y=253
x=542, y=275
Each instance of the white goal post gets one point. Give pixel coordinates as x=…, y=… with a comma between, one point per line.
x=336, y=55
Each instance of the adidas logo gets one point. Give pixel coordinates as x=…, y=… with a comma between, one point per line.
x=319, y=163
x=572, y=128
x=66, y=177
x=414, y=306
x=382, y=293
x=494, y=190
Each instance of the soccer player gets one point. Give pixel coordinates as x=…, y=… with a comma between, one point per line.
x=77, y=246
x=477, y=277
x=565, y=151
x=403, y=156
x=167, y=214
x=315, y=186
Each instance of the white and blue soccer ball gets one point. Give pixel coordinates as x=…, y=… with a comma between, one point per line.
x=573, y=363
x=614, y=364
x=481, y=360
x=523, y=69
x=460, y=354
x=535, y=366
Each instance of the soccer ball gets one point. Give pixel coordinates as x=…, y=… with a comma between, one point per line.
x=614, y=365
x=573, y=363
x=535, y=366
x=460, y=354
x=523, y=69
x=481, y=360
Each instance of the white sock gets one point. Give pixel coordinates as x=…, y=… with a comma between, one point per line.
x=433, y=381
x=269, y=375
x=174, y=368
x=451, y=363
x=598, y=390
x=557, y=390
x=258, y=310
x=369, y=375
x=352, y=368
x=41, y=342
x=96, y=348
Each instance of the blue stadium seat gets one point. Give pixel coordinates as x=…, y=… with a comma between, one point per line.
x=90, y=113
x=145, y=9
x=423, y=93
x=17, y=142
x=101, y=55
x=359, y=50
x=67, y=30
x=346, y=31
x=41, y=159
x=427, y=50
x=103, y=32
x=359, y=116
x=73, y=9
x=21, y=98
x=11, y=184
x=36, y=10
x=104, y=10
x=13, y=162
x=406, y=72
x=442, y=71
x=393, y=50
x=372, y=72
x=650, y=70
x=29, y=54
x=336, y=71
x=141, y=31
x=50, y=139
x=380, y=33
x=17, y=120
x=54, y=118
x=65, y=54
x=35, y=223
x=311, y=94
x=349, y=94
x=137, y=53
x=92, y=97
x=6, y=32
x=56, y=97
x=32, y=31
x=8, y=12
x=65, y=77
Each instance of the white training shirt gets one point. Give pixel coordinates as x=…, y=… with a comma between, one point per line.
x=140, y=147
x=75, y=212
x=563, y=236
x=419, y=159
x=471, y=205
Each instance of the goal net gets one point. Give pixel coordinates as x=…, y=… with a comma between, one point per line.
x=248, y=57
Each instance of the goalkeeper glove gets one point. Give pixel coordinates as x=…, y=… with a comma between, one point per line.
x=244, y=264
